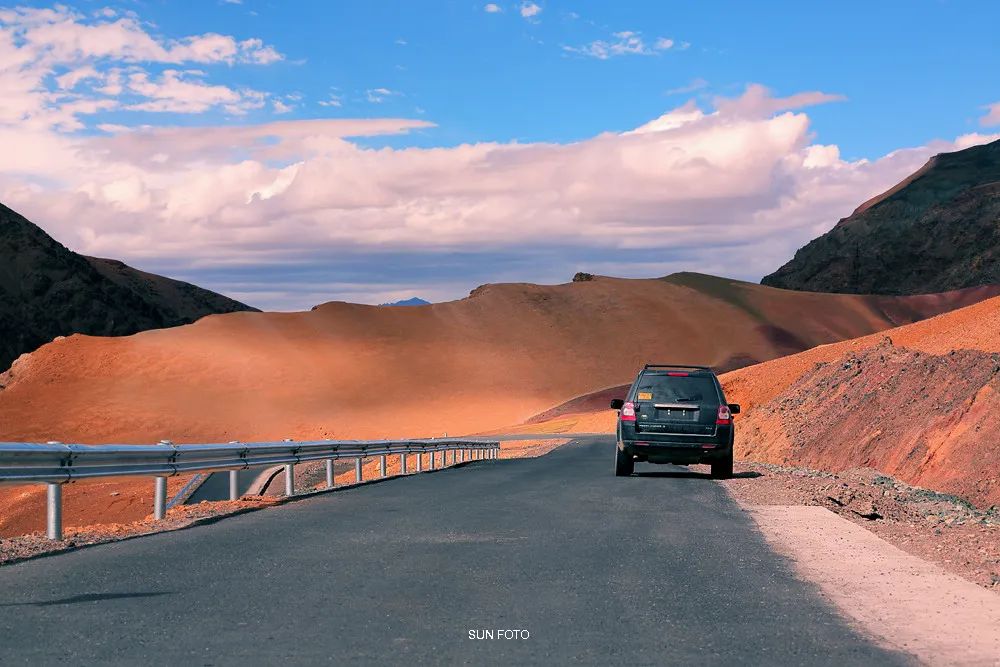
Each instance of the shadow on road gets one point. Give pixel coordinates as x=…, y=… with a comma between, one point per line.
x=86, y=597
x=688, y=474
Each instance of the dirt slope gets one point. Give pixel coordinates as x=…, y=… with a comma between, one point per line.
x=937, y=230
x=918, y=402
x=346, y=370
x=47, y=290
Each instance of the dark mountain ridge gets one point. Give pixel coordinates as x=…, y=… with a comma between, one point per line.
x=47, y=290
x=937, y=230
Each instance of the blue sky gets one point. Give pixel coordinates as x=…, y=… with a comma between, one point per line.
x=912, y=71
x=518, y=116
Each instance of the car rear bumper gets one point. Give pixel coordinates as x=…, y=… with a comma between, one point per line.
x=663, y=450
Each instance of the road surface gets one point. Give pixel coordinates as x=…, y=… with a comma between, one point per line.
x=659, y=568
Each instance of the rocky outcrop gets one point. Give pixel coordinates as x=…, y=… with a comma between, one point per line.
x=938, y=230
x=46, y=290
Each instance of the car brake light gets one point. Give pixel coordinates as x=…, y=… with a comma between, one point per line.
x=678, y=374
x=628, y=412
x=724, y=416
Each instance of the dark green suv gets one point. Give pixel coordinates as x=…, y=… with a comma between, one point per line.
x=675, y=414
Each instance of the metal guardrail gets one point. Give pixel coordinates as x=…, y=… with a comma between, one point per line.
x=55, y=463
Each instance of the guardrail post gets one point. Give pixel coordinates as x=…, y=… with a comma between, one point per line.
x=420, y=461
x=357, y=469
x=160, y=499
x=289, y=479
x=381, y=466
x=234, y=485
x=433, y=456
x=402, y=463
x=329, y=474
x=53, y=519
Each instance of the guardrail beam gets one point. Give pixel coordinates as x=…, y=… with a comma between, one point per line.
x=55, y=463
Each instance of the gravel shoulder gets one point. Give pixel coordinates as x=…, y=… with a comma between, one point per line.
x=940, y=528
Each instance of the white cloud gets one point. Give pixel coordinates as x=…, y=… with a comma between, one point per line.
x=332, y=101
x=623, y=43
x=745, y=171
x=69, y=80
x=492, y=8
x=280, y=107
x=379, y=95
x=57, y=65
x=530, y=10
x=992, y=116
x=185, y=92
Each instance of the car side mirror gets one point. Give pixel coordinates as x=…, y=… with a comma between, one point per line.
x=617, y=403
x=734, y=408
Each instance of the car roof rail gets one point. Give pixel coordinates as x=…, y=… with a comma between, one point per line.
x=701, y=368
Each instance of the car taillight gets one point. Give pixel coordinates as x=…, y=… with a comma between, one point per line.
x=628, y=412
x=724, y=416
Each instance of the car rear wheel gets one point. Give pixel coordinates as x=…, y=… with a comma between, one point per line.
x=624, y=465
x=723, y=469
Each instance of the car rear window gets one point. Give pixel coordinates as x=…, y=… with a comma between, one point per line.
x=676, y=389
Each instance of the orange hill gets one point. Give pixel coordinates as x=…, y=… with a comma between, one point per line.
x=346, y=370
x=918, y=402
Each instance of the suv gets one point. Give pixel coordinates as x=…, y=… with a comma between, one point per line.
x=675, y=414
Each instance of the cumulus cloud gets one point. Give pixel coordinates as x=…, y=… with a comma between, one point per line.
x=530, y=10
x=626, y=42
x=302, y=205
x=185, y=92
x=57, y=64
x=992, y=116
x=492, y=8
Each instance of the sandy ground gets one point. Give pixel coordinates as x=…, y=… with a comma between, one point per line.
x=942, y=529
x=498, y=357
x=907, y=603
x=115, y=500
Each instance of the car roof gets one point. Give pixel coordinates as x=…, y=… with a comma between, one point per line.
x=675, y=372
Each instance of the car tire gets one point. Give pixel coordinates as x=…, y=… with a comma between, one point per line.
x=624, y=465
x=723, y=469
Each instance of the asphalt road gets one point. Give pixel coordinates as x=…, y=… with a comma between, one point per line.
x=659, y=568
